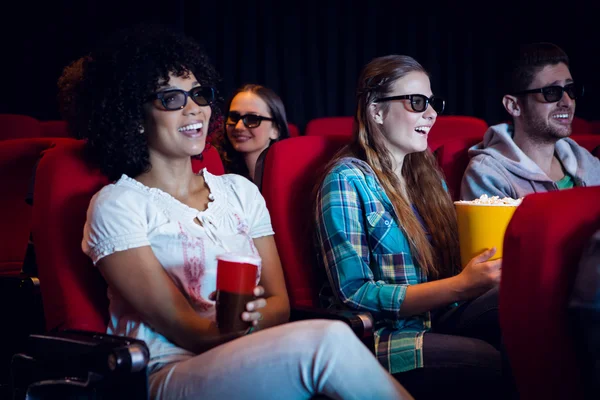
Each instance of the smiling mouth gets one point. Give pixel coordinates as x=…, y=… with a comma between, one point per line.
x=562, y=116
x=193, y=130
x=191, y=127
x=422, y=130
x=563, y=119
x=241, y=138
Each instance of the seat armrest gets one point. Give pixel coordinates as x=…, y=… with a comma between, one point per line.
x=97, y=352
x=82, y=360
x=361, y=322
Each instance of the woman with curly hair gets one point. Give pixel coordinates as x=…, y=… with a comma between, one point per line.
x=387, y=238
x=255, y=119
x=144, y=104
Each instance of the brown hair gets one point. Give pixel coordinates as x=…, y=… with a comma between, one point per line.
x=440, y=258
x=531, y=59
x=233, y=161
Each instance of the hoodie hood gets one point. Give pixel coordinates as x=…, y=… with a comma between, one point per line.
x=498, y=143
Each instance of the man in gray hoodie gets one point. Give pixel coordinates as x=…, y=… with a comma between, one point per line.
x=534, y=154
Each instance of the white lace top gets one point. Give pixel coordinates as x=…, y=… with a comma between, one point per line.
x=128, y=214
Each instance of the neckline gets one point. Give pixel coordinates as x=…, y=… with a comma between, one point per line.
x=208, y=179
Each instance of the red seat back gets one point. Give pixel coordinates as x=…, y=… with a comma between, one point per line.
x=331, y=126
x=211, y=160
x=73, y=291
x=451, y=127
x=291, y=170
x=581, y=126
x=17, y=161
x=542, y=247
x=58, y=129
x=293, y=130
x=588, y=142
x=15, y=126
x=453, y=159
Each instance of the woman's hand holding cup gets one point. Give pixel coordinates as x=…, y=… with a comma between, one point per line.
x=252, y=313
x=236, y=299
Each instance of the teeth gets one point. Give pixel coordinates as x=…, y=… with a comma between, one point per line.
x=190, y=127
x=423, y=129
x=560, y=116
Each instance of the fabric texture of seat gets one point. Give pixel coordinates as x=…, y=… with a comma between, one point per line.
x=581, y=126
x=57, y=129
x=330, y=126
x=542, y=247
x=15, y=126
x=17, y=160
x=291, y=170
x=452, y=127
x=293, y=130
x=453, y=158
x=588, y=142
x=210, y=159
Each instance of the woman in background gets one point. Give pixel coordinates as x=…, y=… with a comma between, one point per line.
x=254, y=120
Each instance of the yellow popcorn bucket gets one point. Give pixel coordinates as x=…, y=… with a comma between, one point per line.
x=481, y=227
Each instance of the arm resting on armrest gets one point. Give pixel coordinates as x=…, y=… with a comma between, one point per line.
x=361, y=322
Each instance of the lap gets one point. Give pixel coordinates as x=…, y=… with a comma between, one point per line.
x=455, y=367
x=476, y=318
x=240, y=365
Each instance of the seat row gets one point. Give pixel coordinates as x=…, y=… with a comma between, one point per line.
x=22, y=126
x=74, y=294
x=19, y=156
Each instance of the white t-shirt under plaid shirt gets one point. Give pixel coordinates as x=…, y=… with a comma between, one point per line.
x=128, y=214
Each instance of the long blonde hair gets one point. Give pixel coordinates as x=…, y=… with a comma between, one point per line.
x=440, y=258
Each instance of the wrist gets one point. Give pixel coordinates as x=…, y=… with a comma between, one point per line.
x=458, y=288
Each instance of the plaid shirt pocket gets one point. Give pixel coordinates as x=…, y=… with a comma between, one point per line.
x=395, y=268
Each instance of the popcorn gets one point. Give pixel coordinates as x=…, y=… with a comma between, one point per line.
x=493, y=201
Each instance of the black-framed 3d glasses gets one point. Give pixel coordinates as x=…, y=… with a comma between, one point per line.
x=554, y=93
x=176, y=99
x=249, y=120
x=419, y=102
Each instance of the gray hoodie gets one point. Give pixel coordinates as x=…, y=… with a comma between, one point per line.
x=498, y=167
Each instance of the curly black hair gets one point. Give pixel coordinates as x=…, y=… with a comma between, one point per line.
x=104, y=103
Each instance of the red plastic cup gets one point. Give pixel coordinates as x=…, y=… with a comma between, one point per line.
x=236, y=280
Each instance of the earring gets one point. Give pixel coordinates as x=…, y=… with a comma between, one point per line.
x=141, y=130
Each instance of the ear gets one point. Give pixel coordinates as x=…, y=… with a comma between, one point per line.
x=511, y=104
x=376, y=113
x=274, y=135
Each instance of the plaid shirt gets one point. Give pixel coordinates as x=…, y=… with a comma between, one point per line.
x=368, y=261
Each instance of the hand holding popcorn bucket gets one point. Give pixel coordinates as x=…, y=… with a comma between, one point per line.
x=482, y=223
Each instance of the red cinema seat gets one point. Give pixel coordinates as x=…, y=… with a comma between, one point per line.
x=17, y=160
x=293, y=130
x=210, y=159
x=58, y=129
x=581, y=126
x=453, y=159
x=451, y=127
x=331, y=126
x=588, y=142
x=542, y=248
x=291, y=170
x=15, y=126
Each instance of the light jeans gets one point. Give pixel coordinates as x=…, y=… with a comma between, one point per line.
x=292, y=361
